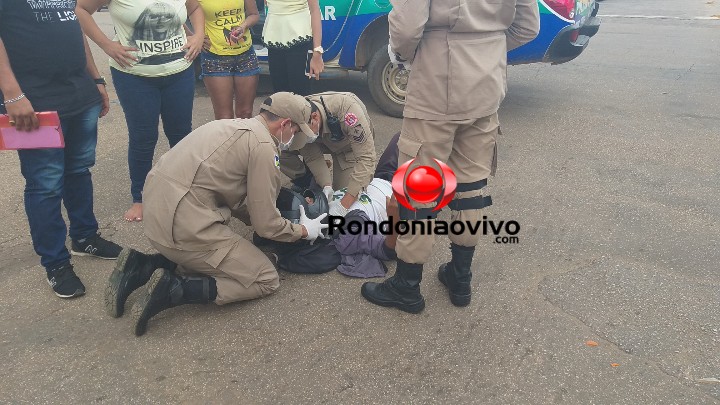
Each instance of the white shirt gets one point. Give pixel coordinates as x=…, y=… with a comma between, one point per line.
x=287, y=23
x=372, y=201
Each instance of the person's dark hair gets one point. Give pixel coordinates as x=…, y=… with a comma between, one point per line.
x=314, y=108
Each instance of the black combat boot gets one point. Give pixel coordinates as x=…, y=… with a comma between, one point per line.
x=166, y=290
x=456, y=275
x=132, y=270
x=401, y=290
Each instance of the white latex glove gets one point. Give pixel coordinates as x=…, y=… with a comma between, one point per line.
x=313, y=226
x=337, y=209
x=394, y=60
x=328, y=191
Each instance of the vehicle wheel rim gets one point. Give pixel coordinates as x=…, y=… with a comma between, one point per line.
x=395, y=83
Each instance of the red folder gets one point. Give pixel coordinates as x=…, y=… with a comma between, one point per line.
x=48, y=135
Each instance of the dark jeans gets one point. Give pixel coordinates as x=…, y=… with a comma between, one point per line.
x=287, y=69
x=145, y=100
x=55, y=175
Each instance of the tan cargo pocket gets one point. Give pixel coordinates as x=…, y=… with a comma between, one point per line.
x=219, y=255
x=347, y=160
x=476, y=80
x=224, y=214
x=408, y=146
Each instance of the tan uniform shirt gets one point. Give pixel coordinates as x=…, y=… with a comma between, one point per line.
x=458, y=51
x=194, y=188
x=356, y=149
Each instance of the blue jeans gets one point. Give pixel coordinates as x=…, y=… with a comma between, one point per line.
x=144, y=100
x=55, y=175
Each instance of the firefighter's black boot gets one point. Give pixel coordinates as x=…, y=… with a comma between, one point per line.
x=456, y=275
x=401, y=291
x=132, y=270
x=166, y=290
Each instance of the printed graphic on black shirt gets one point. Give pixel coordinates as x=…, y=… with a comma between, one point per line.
x=158, y=33
x=52, y=11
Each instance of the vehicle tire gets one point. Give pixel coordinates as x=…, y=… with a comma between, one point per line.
x=387, y=83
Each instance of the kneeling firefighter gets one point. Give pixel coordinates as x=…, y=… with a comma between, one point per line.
x=222, y=169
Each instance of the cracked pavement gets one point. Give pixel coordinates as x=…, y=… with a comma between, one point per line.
x=610, y=165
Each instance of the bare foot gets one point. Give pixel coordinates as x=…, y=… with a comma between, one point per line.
x=134, y=214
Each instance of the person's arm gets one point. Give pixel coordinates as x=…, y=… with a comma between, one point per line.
x=95, y=74
x=240, y=212
x=20, y=111
x=407, y=22
x=316, y=63
x=197, y=19
x=357, y=128
x=252, y=15
x=314, y=158
x=393, y=212
x=373, y=244
x=238, y=33
x=261, y=196
x=526, y=25
x=84, y=11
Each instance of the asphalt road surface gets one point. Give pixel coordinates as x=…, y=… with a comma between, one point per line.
x=610, y=165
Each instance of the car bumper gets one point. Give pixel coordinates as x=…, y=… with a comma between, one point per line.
x=564, y=49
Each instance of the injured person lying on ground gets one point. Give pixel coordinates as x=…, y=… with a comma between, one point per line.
x=355, y=254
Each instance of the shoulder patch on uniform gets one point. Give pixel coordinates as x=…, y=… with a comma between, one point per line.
x=358, y=134
x=351, y=119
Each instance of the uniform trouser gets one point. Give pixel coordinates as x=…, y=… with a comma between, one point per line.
x=241, y=271
x=468, y=147
x=292, y=166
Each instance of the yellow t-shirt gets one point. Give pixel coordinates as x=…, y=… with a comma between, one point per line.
x=222, y=17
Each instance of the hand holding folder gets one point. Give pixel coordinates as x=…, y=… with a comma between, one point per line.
x=48, y=135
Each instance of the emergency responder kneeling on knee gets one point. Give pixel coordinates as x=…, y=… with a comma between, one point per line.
x=342, y=129
x=189, y=198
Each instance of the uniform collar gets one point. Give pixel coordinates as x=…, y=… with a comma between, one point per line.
x=265, y=124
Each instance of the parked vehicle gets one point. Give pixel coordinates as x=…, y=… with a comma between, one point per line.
x=355, y=38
